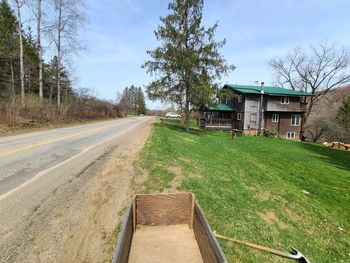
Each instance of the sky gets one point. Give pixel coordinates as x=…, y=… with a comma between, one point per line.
x=120, y=32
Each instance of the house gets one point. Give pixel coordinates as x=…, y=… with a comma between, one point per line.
x=261, y=108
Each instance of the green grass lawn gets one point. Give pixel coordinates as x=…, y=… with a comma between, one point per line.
x=267, y=191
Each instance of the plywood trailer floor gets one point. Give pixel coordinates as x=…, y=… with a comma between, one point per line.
x=165, y=244
x=167, y=228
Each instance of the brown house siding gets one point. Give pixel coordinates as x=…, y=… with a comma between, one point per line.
x=284, y=124
x=273, y=103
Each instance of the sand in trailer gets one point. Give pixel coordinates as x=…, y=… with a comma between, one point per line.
x=164, y=244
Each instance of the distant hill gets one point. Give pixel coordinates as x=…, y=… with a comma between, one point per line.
x=322, y=116
x=328, y=104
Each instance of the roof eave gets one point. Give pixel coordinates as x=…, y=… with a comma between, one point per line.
x=289, y=95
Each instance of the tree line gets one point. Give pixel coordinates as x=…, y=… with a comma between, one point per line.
x=23, y=70
x=30, y=86
x=132, y=101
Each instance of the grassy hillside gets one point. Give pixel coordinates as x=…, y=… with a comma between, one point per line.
x=266, y=191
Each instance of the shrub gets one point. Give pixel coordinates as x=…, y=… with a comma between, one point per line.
x=271, y=133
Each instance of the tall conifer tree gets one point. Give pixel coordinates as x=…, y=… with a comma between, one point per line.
x=188, y=61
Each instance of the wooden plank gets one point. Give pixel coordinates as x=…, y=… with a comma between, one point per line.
x=163, y=209
x=193, y=200
x=134, y=214
x=121, y=254
x=208, y=245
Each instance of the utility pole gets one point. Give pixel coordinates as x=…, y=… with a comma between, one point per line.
x=261, y=110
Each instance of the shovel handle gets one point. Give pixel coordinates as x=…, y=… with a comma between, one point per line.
x=259, y=247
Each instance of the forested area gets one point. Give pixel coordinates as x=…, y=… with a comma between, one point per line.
x=329, y=119
x=33, y=89
x=132, y=101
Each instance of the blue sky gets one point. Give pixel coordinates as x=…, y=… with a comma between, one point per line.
x=120, y=31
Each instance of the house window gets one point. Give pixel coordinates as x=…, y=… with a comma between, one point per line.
x=296, y=120
x=284, y=100
x=239, y=116
x=239, y=98
x=275, y=117
x=291, y=135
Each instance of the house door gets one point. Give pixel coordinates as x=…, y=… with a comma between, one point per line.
x=253, y=120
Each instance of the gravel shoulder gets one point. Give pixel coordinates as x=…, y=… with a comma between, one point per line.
x=78, y=221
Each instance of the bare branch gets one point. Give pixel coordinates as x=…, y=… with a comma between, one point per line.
x=324, y=68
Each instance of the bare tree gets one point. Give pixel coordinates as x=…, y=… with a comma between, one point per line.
x=69, y=17
x=18, y=4
x=35, y=7
x=324, y=68
x=38, y=17
x=59, y=7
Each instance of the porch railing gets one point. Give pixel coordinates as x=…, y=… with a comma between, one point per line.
x=218, y=122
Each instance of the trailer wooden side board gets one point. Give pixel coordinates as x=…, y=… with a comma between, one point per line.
x=164, y=209
x=122, y=250
x=208, y=245
x=154, y=220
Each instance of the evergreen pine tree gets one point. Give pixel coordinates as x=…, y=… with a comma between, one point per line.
x=8, y=51
x=141, y=104
x=343, y=114
x=188, y=61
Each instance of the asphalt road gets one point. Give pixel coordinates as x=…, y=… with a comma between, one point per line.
x=23, y=157
x=42, y=173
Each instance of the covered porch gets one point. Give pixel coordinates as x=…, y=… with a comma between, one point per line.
x=219, y=117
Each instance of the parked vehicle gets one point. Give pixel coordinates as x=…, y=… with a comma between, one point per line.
x=172, y=115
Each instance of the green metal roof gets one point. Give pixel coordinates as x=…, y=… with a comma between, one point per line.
x=221, y=107
x=267, y=90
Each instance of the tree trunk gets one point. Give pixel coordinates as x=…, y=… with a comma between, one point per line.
x=40, y=51
x=50, y=96
x=20, y=50
x=29, y=82
x=13, y=93
x=65, y=91
x=187, y=109
x=309, y=108
x=59, y=56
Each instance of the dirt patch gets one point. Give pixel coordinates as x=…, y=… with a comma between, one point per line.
x=264, y=196
x=167, y=244
x=293, y=214
x=176, y=182
x=141, y=175
x=271, y=218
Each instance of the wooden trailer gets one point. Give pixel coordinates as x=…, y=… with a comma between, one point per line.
x=166, y=228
